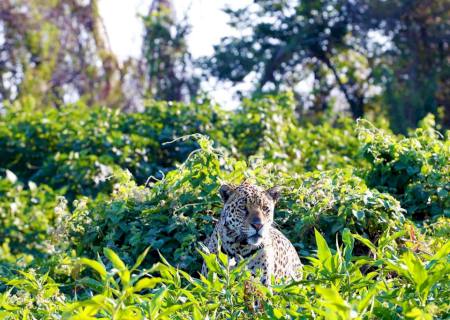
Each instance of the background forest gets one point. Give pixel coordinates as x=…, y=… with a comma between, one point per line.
x=109, y=169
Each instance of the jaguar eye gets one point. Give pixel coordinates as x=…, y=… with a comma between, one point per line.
x=244, y=210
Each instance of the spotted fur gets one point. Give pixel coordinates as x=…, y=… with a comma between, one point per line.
x=245, y=230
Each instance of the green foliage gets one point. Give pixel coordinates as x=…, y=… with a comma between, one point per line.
x=366, y=210
x=77, y=148
x=59, y=52
x=333, y=288
x=269, y=128
x=27, y=217
x=170, y=216
x=31, y=295
x=332, y=201
x=186, y=202
x=282, y=37
x=414, y=169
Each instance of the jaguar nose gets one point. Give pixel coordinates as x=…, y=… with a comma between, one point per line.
x=256, y=222
x=257, y=226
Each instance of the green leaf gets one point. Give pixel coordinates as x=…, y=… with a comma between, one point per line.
x=366, y=242
x=323, y=251
x=443, y=252
x=147, y=283
x=92, y=283
x=170, y=311
x=367, y=297
x=277, y=313
x=141, y=258
x=156, y=302
x=211, y=262
x=418, y=314
x=114, y=258
x=416, y=269
x=196, y=314
x=97, y=266
x=334, y=300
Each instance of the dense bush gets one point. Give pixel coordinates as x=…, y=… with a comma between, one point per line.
x=170, y=216
x=415, y=169
x=331, y=201
x=270, y=128
x=27, y=216
x=333, y=288
x=178, y=211
x=366, y=210
x=77, y=147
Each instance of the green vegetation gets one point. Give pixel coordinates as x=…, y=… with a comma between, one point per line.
x=86, y=235
x=110, y=168
x=76, y=148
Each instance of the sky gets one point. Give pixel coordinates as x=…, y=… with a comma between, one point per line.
x=124, y=27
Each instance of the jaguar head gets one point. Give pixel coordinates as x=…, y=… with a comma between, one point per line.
x=248, y=211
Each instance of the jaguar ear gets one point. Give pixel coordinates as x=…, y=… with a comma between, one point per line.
x=225, y=192
x=274, y=193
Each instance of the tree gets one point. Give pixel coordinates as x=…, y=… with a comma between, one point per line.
x=57, y=51
x=285, y=41
x=338, y=43
x=168, y=62
x=414, y=69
